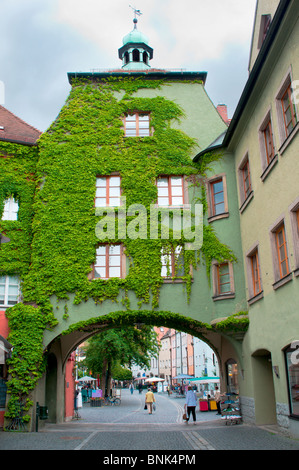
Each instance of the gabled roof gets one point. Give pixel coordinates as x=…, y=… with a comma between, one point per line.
x=14, y=129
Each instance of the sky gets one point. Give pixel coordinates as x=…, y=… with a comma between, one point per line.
x=42, y=40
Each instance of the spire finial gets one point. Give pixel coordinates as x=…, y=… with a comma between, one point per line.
x=136, y=13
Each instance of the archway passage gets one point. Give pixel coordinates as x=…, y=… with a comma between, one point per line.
x=264, y=394
x=224, y=346
x=51, y=387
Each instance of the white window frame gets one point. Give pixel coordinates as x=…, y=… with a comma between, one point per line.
x=11, y=209
x=7, y=284
x=109, y=199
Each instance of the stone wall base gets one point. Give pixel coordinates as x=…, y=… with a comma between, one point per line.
x=285, y=424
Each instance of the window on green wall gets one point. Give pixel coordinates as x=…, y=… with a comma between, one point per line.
x=223, y=280
x=11, y=209
x=107, y=191
x=217, y=197
x=9, y=290
x=170, y=191
x=172, y=262
x=109, y=262
x=137, y=124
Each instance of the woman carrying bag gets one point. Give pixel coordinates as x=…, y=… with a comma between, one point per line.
x=190, y=405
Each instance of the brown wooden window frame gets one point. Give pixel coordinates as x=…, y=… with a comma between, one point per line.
x=213, y=193
x=170, y=187
x=171, y=265
x=108, y=188
x=255, y=273
x=290, y=106
x=246, y=179
x=137, y=128
x=294, y=219
x=217, y=281
x=268, y=142
x=221, y=275
x=287, y=129
x=211, y=197
x=107, y=256
x=281, y=260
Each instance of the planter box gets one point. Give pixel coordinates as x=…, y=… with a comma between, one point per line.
x=95, y=402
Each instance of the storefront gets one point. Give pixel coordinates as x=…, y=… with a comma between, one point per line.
x=292, y=370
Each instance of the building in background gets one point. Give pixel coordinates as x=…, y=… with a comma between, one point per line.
x=17, y=138
x=263, y=142
x=180, y=353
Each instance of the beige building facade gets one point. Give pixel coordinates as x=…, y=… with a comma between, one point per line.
x=263, y=140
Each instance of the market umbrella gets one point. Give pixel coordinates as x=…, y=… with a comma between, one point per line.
x=86, y=378
x=154, y=379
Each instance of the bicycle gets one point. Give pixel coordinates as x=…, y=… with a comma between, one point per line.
x=110, y=401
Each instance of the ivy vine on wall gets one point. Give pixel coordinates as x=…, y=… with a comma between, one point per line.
x=54, y=241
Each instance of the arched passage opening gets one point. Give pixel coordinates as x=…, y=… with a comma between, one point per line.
x=264, y=393
x=224, y=347
x=51, y=387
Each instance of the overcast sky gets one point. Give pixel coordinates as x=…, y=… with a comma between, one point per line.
x=42, y=40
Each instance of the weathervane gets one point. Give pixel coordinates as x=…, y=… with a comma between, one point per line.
x=136, y=13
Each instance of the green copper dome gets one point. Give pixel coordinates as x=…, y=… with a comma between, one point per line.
x=135, y=52
x=135, y=36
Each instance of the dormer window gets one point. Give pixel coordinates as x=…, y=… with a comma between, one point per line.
x=137, y=124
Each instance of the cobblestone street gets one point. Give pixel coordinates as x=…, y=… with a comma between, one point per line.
x=129, y=428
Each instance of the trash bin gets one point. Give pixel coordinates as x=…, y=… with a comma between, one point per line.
x=43, y=412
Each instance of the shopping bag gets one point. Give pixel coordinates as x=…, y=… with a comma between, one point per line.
x=185, y=416
x=145, y=407
x=154, y=407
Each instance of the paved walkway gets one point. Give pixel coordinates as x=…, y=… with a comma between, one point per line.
x=129, y=428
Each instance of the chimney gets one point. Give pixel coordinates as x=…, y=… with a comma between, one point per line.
x=222, y=110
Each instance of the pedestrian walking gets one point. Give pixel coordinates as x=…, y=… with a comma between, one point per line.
x=191, y=404
x=149, y=400
x=218, y=400
x=131, y=387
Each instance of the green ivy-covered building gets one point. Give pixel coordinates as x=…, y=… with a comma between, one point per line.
x=111, y=180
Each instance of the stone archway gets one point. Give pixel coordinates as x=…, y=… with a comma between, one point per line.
x=225, y=346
